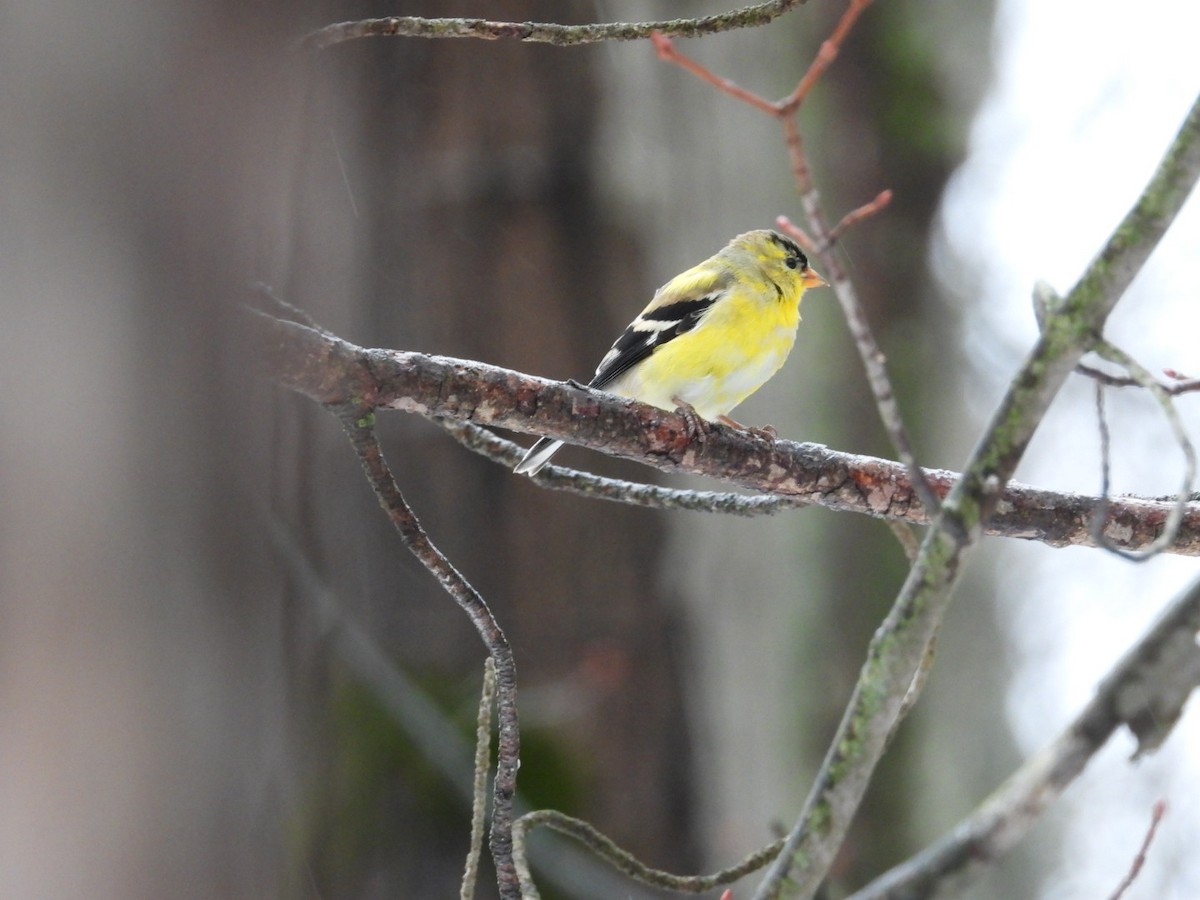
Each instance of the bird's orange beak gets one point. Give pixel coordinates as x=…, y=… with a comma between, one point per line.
x=810, y=279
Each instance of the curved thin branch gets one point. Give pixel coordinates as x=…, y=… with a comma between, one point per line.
x=624, y=861
x=483, y=759
x=546, y=32
x=584, y=484
x=1142, y=377
x=359, y=424
x=902, y=642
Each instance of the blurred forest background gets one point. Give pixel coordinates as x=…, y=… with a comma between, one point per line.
x=201, y=598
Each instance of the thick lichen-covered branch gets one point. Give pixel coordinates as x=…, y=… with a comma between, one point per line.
x=332, y=371
x=1145, y=691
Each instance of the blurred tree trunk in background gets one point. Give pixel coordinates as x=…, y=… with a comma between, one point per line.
x=143, y=715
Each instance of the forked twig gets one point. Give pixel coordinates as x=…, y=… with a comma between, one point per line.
x=1179, y=384
x=823, y=237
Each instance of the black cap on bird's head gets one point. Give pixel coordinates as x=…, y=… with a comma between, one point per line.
x=795, y=259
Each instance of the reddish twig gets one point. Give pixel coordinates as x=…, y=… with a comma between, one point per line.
x=623, y=861
x=830, y=48
x=787, y=226
x=852, y=218
x=849, y=220
x=667, y=52
x=810, y=199
x=823, y=238
x=1156, y=816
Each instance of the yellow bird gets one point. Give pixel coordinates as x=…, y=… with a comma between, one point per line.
x=711, y=336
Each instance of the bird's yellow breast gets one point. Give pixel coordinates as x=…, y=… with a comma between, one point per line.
x=734, y=350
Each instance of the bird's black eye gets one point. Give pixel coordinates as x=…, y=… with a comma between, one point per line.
x=792, y=262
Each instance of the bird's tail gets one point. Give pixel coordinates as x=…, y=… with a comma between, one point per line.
x=537, y=456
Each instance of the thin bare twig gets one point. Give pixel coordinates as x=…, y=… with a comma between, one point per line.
x=1046, y=300
x=546, y=32
x=1156, y=817
x=852, y=218
x=668, y=52
x=584, y=484
x=830, y=48
x=359, y=424
x=483, y=754
x=1171, y=527
x=1178, y=385
x=290, y=311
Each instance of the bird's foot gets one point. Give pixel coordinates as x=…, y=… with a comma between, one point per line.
x=765, y=432
x=697, y=429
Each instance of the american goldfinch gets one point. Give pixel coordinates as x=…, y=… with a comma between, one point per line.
x=711, y=336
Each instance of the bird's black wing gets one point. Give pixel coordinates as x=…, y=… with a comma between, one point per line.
x=655, y=327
